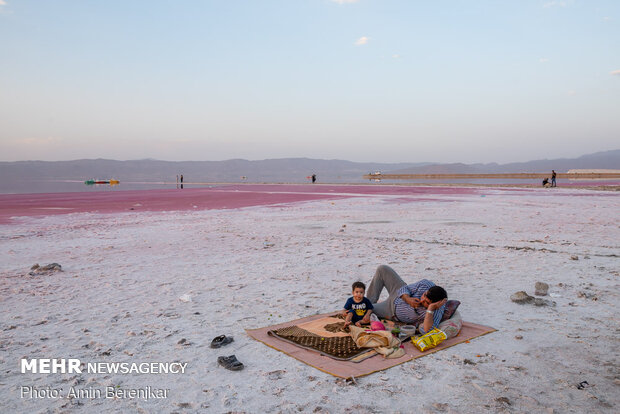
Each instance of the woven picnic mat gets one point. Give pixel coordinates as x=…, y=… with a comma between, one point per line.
x=339, y=347
x=348, y=369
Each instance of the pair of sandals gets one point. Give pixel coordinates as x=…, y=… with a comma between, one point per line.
x=229, y=362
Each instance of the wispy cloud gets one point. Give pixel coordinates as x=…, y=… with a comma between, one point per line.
x=571, y=93
x=2, y=3
x=554, y=4
x=362, y=41
x=337, y=1
x=607, y=19
x=543, y=60
x=615, y=72
x=396, y=56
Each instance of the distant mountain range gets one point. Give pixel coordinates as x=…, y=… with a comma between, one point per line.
x=290, y=170
x=598, y=160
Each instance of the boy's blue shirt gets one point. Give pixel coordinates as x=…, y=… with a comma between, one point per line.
x=358, y=309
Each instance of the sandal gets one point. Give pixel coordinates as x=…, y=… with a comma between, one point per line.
x=230, y=362
x=221, y=340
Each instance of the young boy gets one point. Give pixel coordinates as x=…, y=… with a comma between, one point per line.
x=358, y=308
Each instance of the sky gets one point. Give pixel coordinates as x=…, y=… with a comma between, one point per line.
x=360, y=80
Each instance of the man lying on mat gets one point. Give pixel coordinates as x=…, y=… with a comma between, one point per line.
x=421, y=303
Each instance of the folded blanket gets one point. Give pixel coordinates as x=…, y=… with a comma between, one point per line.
x=381, y=341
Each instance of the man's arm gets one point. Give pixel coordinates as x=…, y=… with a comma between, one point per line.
x=413, y=302
x=406, y=292
x=430, y=314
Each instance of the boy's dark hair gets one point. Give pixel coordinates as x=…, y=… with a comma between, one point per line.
x=356, y=285
x=436, y=293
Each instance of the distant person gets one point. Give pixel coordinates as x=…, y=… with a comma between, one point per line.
x=553, y=178
x=545, y=182
x=313, y=178
x=358, y=308
x=181, y=178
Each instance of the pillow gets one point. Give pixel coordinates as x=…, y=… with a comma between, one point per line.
x=452, y=326
x=451, y=306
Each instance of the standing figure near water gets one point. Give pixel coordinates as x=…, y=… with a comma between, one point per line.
x=313, y=178
x=553, y=178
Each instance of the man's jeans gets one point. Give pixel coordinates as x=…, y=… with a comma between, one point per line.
x=385, y=277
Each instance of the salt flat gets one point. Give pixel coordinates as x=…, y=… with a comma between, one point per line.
x=158, y=286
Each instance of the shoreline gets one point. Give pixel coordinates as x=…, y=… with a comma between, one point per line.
x=233, y=196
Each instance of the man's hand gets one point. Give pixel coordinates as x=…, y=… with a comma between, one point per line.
x=413, y=302
x=437, y=305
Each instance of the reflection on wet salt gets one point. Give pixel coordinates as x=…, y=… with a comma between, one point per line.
x=372, y=222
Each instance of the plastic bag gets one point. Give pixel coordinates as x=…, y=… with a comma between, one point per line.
x=429, y=340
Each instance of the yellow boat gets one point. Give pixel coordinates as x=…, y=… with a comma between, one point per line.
x=111, y=182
